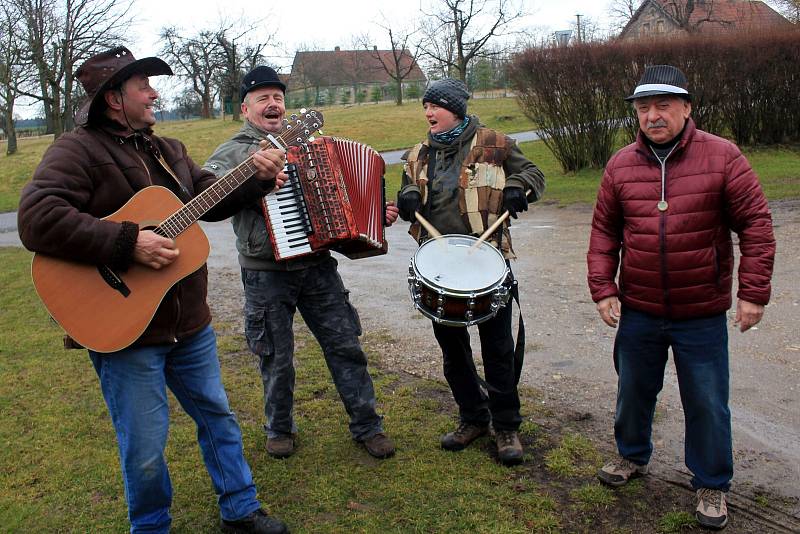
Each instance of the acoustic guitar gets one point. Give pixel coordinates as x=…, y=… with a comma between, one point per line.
x=106, y=311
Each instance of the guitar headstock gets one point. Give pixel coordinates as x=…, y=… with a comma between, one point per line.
x=299, y=129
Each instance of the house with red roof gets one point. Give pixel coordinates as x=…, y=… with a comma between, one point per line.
x=672, y=18
x=342, y=72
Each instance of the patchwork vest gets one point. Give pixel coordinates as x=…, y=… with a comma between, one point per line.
x=480, y=184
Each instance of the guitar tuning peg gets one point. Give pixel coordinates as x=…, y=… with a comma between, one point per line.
x=311, y=139
x=303, y=110
x=293, y=117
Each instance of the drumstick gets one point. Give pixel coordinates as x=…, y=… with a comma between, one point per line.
x=489, y=230
x=428, y=226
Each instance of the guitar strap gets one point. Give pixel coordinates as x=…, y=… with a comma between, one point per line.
x=148, y=145
x=167, y=168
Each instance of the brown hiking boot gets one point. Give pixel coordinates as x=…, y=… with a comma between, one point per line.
x=462, y=436
x=280, y=447
x=509, y=449
x=379, y=446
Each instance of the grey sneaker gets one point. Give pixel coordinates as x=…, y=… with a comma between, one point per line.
x=509, y=449
x=620, y=471
x=280, y=447
x=711, y=512
x=462, y=436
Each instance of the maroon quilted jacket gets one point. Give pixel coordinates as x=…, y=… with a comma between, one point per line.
x=678, y=263
x=90, y=173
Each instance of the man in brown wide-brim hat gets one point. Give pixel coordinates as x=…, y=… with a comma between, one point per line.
x=90, y=173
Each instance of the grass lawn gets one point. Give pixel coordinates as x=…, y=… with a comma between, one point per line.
x=59, y=467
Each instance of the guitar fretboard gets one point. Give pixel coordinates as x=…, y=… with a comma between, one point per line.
x=296, y=132
x=182, y=219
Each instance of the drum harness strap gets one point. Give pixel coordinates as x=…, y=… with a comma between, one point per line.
x=519, y=348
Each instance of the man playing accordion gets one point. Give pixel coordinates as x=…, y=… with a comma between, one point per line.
x=275, y=289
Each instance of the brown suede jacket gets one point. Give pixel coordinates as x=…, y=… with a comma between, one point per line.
x=90, y=173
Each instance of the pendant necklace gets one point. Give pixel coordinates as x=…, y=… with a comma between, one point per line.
x=663, y=205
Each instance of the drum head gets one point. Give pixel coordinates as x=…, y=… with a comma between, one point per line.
x=450, y=262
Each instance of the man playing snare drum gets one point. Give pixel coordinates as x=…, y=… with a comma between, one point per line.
x=461, y=179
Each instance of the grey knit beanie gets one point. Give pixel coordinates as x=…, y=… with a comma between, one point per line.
x=451, y=94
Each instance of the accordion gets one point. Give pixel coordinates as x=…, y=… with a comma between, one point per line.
x=333, y=199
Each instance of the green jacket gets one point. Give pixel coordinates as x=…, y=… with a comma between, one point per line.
x=457, y=169
x=252, y=238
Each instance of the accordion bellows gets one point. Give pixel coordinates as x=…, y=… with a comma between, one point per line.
x=333, y=200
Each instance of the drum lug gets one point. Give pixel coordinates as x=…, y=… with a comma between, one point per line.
x=414, y=287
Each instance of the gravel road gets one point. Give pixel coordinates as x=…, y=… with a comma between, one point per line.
x=568, y=348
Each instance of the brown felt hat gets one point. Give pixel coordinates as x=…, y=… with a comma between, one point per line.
x=104, y=70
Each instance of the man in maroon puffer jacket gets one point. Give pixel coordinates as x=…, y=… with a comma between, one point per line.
x=667, y=205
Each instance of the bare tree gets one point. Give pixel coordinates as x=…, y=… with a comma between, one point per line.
x=238, y=55
x=439, y=48
x=588, y=30
x=399, y=63
x=198, y=59
x=691, y=14
x=620, y=12
x=470, y=25
x=62, y=35
x=311, y=69
x=12, y=71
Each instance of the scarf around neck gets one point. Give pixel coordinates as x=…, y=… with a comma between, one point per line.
x=451, y=135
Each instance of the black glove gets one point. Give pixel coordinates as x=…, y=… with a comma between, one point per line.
x=514, y=200
x=408, y=204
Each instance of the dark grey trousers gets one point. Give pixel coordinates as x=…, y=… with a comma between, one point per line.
x=271, y=299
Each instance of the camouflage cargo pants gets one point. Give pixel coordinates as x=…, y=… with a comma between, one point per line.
x=271, y=299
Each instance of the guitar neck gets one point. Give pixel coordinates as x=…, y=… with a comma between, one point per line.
x=182, y=219
x=295, y=132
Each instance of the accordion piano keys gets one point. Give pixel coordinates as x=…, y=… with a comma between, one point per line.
x=339, y=192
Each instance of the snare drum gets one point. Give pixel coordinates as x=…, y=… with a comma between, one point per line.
x=458, y=285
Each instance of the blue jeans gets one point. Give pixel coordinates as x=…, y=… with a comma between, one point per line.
x=700, y=351
x=271, y=300
x=134, y=383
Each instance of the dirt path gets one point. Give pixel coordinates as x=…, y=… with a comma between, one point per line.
x=568, y=349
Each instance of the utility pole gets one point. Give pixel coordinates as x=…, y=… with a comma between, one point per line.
x=578, y=16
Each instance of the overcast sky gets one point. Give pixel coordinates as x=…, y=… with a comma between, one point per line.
x=323, y=24
x=310, y=24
